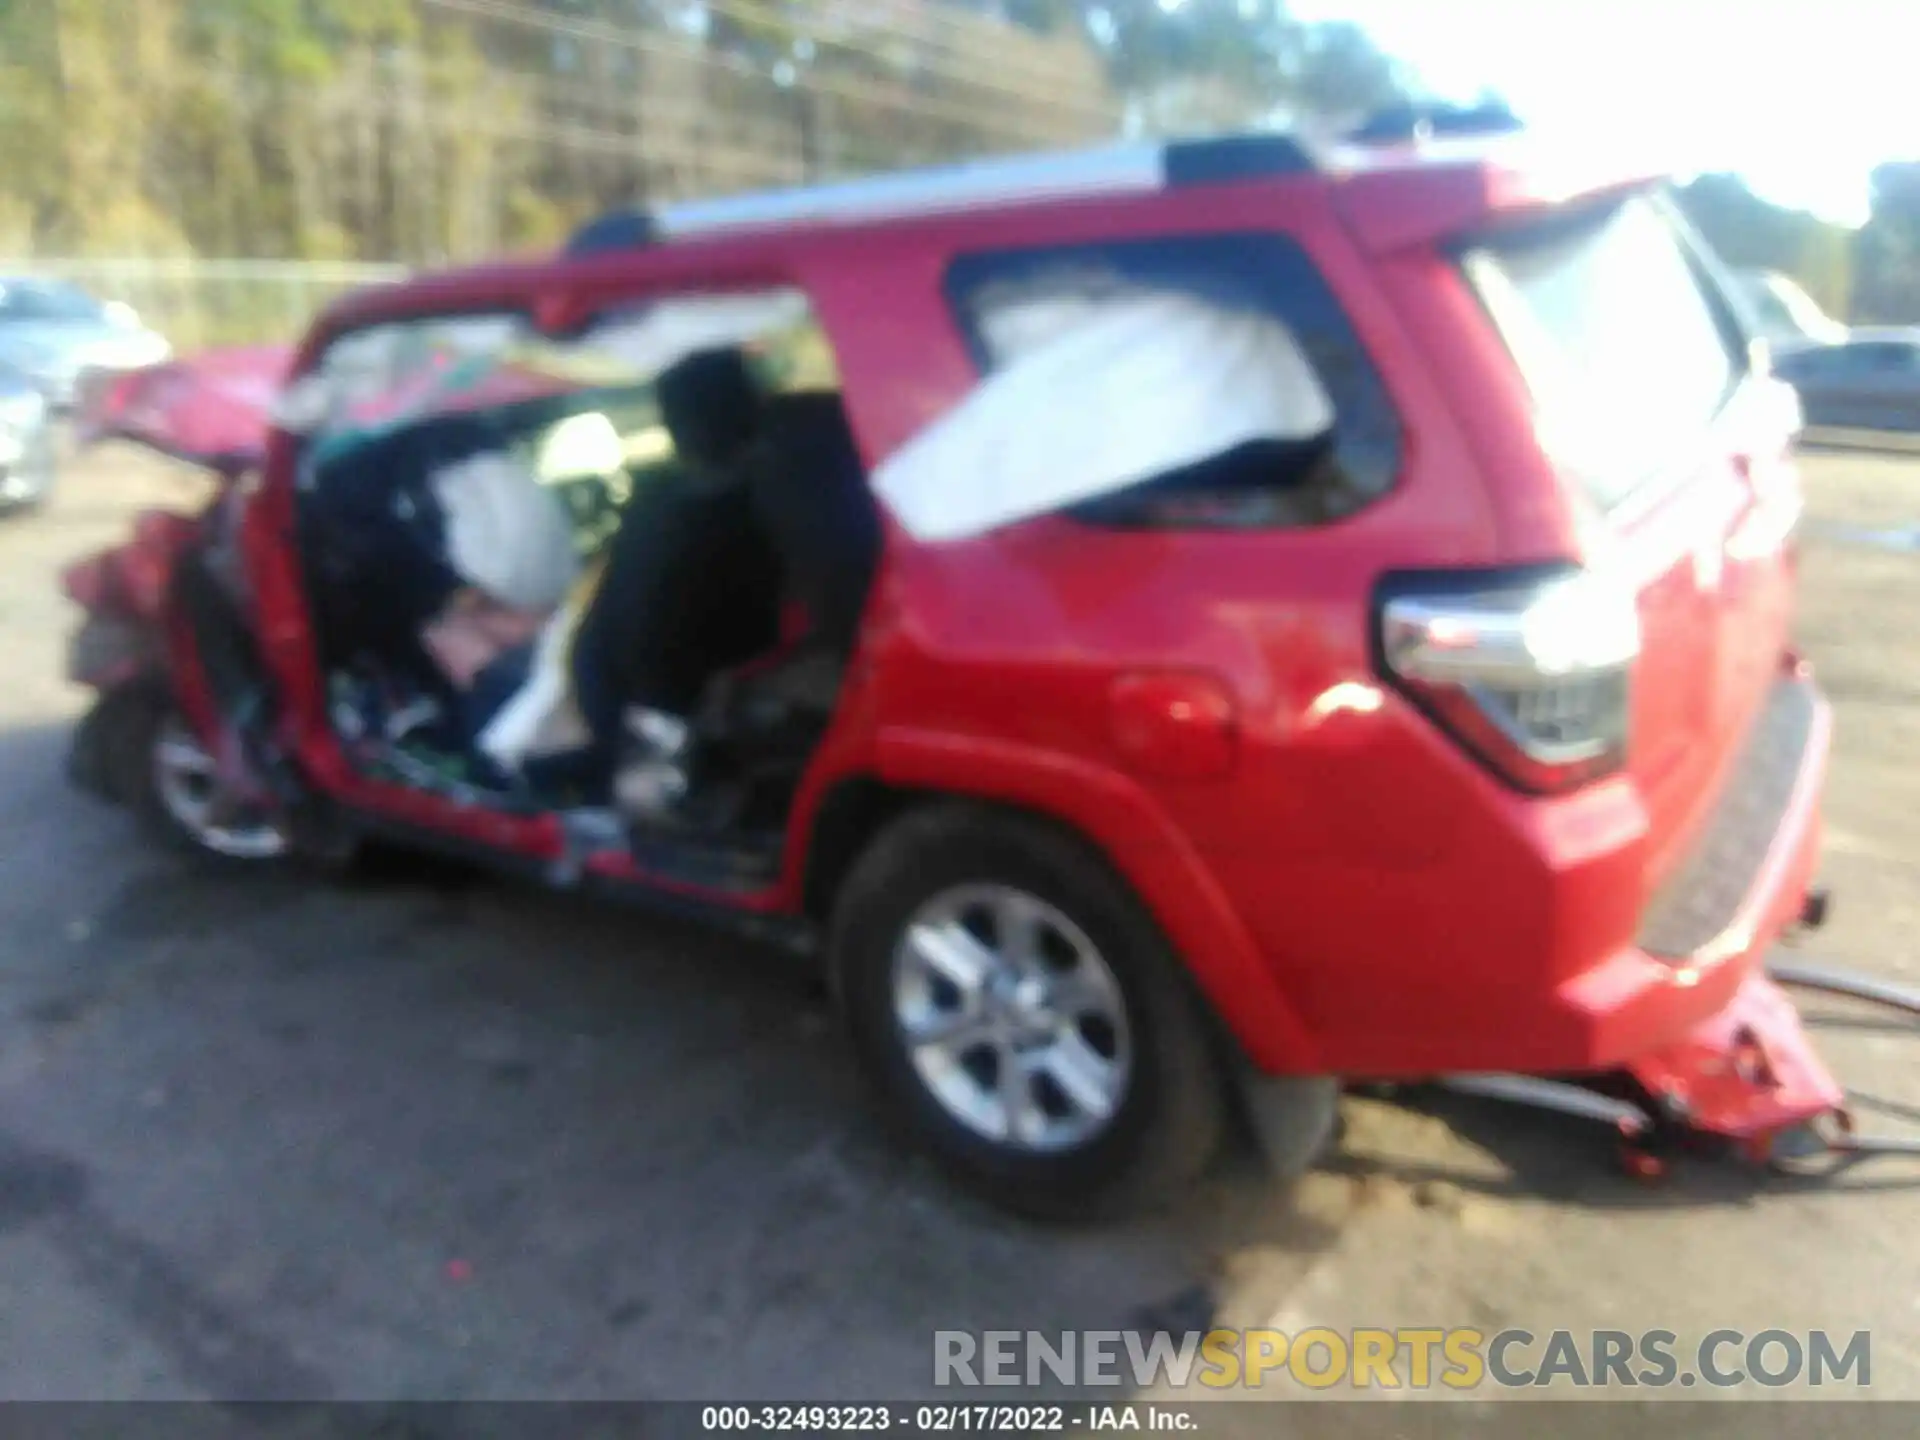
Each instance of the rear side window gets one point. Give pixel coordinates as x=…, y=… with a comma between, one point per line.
x=1322, y=443
x=1626, y=347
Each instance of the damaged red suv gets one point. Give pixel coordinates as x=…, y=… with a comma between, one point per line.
x=1169, y=626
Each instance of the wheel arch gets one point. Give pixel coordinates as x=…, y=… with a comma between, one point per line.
x=1116, y=821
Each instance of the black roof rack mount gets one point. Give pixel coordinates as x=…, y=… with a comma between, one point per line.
x=617, y=230
x=1234, y=157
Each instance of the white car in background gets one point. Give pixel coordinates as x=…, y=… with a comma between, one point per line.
x=1788, y=318
x=1850, y=379
x=1870, y=381
x=28, y=459
x=54, y=333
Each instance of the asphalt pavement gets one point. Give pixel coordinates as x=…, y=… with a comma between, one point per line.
x=422, y=1134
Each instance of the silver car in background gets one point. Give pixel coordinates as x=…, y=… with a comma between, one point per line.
x=1783, y=314
x=1869, y=381
x=28, y=450
x=54, y=333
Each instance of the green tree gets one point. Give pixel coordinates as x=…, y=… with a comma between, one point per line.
x=423, y=130
x=1210, y=63
x=1750, y=233
x=1887, y=255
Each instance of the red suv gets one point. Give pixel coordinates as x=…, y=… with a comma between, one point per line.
x=1187, y=620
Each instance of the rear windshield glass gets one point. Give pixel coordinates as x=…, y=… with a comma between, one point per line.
x=1612, y=324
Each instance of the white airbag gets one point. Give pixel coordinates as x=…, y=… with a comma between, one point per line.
x=542, y=717
x=1095, y=398
x=506, y=534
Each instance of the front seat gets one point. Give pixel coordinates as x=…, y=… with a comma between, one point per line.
x=691, y=586
x=811, y=499
x=810, y=494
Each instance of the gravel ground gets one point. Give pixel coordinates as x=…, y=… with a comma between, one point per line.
x=426, y=1135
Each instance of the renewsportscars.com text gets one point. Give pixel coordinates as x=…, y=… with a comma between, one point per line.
x=1403, y=1358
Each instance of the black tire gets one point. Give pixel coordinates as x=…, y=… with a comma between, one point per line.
x=90, y=752
x=1169, y=1122
x=130, y=722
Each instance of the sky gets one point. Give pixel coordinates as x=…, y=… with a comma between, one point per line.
x=1800, y=97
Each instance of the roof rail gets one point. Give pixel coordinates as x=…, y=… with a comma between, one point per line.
x=1006, y=179
x=1401, y=123
x=999, y=180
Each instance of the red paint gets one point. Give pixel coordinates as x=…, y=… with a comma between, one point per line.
x=215, y=404
x=1172, y=726
x=1352, y=891
x=1745, y=1073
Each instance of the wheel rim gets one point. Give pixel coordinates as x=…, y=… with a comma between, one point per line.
x=187, y=780
x=1012, y=1018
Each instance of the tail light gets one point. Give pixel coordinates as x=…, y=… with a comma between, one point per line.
x=1530, y=672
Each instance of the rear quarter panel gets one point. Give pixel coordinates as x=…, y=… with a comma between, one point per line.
x=992, y=660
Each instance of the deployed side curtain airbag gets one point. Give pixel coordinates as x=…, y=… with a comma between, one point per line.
x=506, y=534
x=1098, y=398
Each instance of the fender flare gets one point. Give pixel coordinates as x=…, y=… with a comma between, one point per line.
x=1146, y=849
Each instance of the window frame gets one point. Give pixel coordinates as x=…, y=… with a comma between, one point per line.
x=316, y=452
x=1370, y=429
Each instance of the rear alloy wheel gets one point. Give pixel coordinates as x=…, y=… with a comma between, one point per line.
x=1022, y=1016
x=187, y=794
x=1013, y=1021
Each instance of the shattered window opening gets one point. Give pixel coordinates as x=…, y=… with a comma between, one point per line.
x=1196, y=381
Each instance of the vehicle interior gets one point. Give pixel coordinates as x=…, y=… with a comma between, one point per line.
x=620, y=576
x=695, y=543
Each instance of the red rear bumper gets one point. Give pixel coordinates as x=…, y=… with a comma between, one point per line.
x=1744, y=1074
x=1648, y=996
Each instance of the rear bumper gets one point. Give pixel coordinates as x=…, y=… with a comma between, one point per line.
x=1704, y=935
x=1442, y=923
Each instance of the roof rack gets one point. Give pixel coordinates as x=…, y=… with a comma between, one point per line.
x=1117, y=169
x=1109, y=170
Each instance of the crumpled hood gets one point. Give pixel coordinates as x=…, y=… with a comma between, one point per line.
x=213, y=409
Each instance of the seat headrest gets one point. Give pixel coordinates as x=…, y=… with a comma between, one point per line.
x=810, y=418
x=711, y=405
